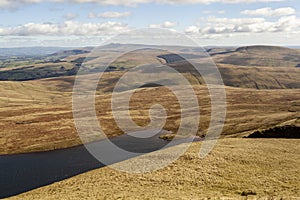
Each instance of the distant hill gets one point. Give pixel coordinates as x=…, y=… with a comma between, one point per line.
x=267, y=56
x=66, y=53
x=260, y=67
x=30, y=51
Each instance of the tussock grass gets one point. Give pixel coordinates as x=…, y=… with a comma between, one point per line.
x=235, y=169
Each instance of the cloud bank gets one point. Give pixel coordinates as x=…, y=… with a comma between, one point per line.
x=109, y=14
x=269, y=12
x=213, y=26
x=166, y=24
x=17, y=3
x=65, y=28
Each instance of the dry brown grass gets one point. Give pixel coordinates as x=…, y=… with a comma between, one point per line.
x=37, y=116
x=268, y=56
x=267, y=167
x=260, y=77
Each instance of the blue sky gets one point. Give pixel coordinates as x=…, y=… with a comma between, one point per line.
x=82, y=23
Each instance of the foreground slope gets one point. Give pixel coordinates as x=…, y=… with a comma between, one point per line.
x=265, y=168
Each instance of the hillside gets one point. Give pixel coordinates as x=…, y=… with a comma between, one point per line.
x=259, y=67
x=46, y=100
x=265, y=56
x=262, y=102
x=235, y=169
x=37, y=115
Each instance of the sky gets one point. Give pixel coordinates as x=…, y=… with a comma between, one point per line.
x=92, y=22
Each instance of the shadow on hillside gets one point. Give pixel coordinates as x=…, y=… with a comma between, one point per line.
x=287, y=131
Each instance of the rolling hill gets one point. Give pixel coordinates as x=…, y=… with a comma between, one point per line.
x=41, y=94
x=259, y=67
x=265, y=56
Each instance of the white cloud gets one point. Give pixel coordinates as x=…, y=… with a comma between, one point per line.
x=269, y=12
x=192, y=30
x=229, y=26
x=109, y=15
x=220, y=12
x=16, y=3
x=65, y=28
x=115, y=14
x=166, y=24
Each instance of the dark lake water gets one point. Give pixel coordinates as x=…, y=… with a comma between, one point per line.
x=23, y=172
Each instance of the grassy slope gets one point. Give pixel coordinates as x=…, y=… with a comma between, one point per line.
x=267, y=167
x=37, y=114
x=38, y=117
x=268, y=56
x=260, y=77
x=261, y=67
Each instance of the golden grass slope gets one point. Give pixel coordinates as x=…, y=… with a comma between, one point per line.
x=37, y=116
x=267, y=168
